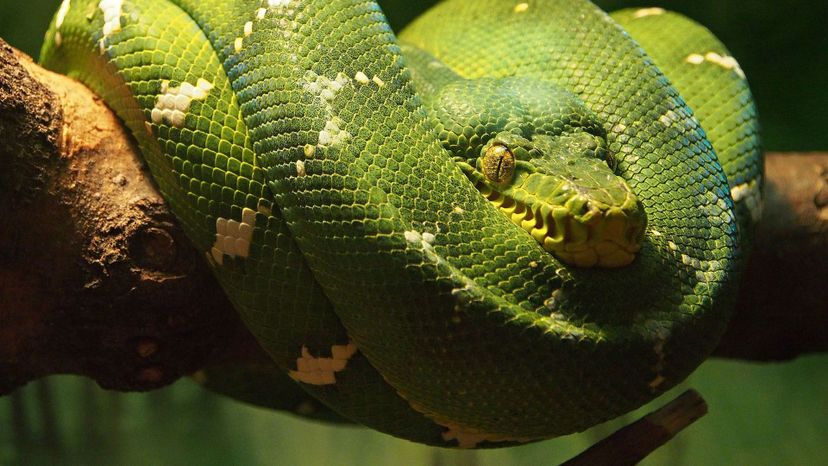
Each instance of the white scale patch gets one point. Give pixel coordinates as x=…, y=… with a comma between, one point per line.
x=61, y=14
x=321, y=371
x=233, y=237
x=333, y=134
x=59, y=18
x=521, y=7
x=323, y=86
x=363, y=78
x=644, y=12
x=727, y=62
x=238, y=43
x=326, y=90
x=112, y=19
x=751, y=195
x=172, y=105
x=416, y=237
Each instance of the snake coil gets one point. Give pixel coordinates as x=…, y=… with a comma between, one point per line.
x=291, y=140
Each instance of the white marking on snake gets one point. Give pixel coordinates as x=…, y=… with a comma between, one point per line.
x=59, y=18
x=412, y=236
x=248, y=28
x=260, y=13
x=751, y=195
x=644, y=12
x=278, y=3
x=378, y=81
x=112, y=20
x=415, y=237
x=61, y=14
x=300, y=168
x=326, y=90
x=233, y=237
x=361, y=77
x=112, y=15
x=323, y=86
x=172, y=105
x=332, y=134
x=321, y=370
x=237, y=44
x=727, y=62
x=521, y=7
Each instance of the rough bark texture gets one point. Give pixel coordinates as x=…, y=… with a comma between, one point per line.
x=782, y=309
x=95, y=276
x=97, y=279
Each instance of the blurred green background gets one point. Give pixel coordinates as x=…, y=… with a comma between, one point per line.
x=759, y=414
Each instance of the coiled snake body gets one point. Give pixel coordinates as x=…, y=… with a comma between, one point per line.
x=332, y=189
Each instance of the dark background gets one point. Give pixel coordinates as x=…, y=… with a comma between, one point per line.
x=759, y=414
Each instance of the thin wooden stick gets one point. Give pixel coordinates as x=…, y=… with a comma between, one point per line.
x=634, y=442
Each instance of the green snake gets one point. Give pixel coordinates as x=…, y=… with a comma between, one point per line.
x=506, y=226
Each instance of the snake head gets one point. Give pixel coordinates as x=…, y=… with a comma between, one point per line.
x=563, y=191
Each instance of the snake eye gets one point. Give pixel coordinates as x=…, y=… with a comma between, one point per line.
x=499, y=164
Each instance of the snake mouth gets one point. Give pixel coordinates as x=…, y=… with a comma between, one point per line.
x=577, y=231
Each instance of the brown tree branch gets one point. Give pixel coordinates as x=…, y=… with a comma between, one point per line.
x=95, y=276
x=97, y=279
x=634, y=442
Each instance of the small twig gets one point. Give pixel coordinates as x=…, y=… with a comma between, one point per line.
x=634, y=442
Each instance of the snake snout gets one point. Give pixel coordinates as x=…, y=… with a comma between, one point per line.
x=581, y=226
x=586, y=232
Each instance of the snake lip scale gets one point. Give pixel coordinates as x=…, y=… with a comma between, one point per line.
x=328, y=170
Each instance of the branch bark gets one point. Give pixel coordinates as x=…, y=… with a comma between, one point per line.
x=97, y=279
x=634, y=442
x=95, y=276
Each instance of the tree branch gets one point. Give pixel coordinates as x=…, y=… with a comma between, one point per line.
x=95, y=276
x=634, y=442
x=97, y=279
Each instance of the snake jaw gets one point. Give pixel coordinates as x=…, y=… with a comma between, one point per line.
x=577, y=229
